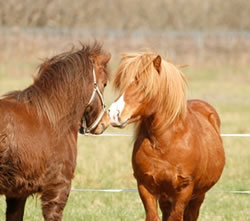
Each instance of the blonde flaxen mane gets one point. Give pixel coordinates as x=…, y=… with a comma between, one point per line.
x=168, y=86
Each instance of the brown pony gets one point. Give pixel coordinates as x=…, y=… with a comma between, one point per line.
x=178, y=152
x=39, y=127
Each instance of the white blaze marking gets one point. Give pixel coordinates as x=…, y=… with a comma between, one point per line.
x=116, y=109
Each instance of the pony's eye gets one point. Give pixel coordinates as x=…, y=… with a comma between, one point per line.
x=105, y=84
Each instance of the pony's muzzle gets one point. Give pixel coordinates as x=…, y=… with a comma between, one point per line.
x=114, y=117
x=102, y=125
x=115, y=120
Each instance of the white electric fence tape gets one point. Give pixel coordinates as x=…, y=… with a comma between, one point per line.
x=135, y=190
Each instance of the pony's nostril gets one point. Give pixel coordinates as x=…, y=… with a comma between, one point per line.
x=109, y=110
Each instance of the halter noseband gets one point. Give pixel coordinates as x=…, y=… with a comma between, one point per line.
x=84, y=128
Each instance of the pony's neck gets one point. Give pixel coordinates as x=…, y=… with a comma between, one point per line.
x=62, y=110
x=155, y=128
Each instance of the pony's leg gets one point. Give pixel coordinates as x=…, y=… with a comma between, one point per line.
x=54, y=199
x=193, y=208
x=165, y=206
x=180, y=203
x=15, y=208
x=149, y=202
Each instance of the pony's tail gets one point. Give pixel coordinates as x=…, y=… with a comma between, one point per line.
x=215, y=121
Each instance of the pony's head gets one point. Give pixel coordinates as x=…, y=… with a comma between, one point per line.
x=77, y=79
x=147, y=84
x=95, y=118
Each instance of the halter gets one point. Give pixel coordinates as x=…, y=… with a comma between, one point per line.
x=84, y=129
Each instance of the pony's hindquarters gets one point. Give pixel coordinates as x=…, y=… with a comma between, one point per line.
x=212, y=156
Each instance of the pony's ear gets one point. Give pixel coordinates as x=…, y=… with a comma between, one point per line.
x=102, y=59
x=157, y=63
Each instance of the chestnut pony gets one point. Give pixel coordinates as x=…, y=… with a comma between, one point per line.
x=39, y=127
x=178, y=153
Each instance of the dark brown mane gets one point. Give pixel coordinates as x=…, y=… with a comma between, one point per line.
x=61, y=78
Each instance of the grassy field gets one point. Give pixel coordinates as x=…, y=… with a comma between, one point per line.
x=104, y=162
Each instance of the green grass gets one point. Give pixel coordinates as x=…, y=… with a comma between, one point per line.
x=105, y=162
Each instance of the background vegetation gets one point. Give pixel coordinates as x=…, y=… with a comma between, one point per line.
x=128, y=14
x=210, y=36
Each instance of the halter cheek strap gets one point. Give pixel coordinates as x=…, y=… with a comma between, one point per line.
x=84, y=129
